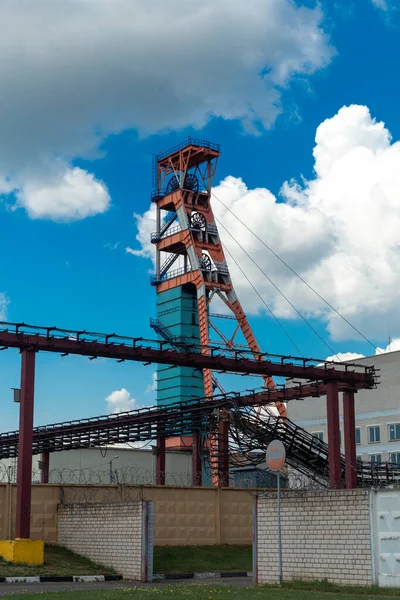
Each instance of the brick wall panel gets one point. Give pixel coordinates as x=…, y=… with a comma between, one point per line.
x=325, y=535
x=110, y=534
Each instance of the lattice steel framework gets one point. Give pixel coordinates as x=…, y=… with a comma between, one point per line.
x=317, y=375
x=187, y=230
x=243, y=443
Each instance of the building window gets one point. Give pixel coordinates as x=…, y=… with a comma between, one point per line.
x=376, y=458
x=374, y=434
x=394, y=432
x=319, y=435
x=359, y=457
x=358, y=435
x=394, y=458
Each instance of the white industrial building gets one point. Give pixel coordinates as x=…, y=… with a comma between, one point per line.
x=109, y=464
x=377, y=412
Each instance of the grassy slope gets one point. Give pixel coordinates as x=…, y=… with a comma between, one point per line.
x=192, y=559
x=58, y=561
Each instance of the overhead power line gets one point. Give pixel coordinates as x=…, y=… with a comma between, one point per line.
x=264, y=302
x=295, y=273
x=278, y=289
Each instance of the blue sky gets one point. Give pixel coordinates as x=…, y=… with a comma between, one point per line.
x=65, y=231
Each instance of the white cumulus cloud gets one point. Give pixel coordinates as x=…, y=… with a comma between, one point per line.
x=69, y=196
x=393, y=346
x=389, y=9
x=340, y=230
x=145, y=224
x=152, y=387
x=74, y=72
x=345, y=356
x=120, y=401
x=4, y=302
x=382, y=4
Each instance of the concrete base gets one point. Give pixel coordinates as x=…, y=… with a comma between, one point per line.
x=19, y=551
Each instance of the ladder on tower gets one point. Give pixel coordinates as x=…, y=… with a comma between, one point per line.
x=168, y=264
x=180, y=342
x=169, y=219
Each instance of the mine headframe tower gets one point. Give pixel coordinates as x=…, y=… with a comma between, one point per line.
x=191, y=269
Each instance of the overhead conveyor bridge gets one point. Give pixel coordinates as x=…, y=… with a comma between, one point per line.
x=249, y=435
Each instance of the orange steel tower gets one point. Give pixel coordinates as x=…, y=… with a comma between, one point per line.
x=187, y=234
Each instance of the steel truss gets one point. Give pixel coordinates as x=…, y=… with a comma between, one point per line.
x=248, y=436
x=34, y=338
x=317, y=375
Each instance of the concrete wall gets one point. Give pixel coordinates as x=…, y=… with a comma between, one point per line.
x=43, y=512
x=373, y=407
x=183, y=516
x=109, y=534
x=325, y=535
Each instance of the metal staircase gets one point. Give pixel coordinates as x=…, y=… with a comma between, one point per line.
x=156, y=236
x=180, y=342
x=304, y=452
x=169, y=219
x=168, y=263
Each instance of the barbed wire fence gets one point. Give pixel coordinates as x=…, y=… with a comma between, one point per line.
x=8, y=473
x=134, y=475
x=115, y=494
x=368, y=475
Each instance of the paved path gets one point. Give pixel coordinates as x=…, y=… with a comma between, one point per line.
x=35, y=588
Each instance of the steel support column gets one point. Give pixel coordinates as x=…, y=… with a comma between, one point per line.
x=160, y=460
x=332, y=411
x=24, y=472
x=349, y=424
x=196, y=460
x=223, y=453
x=45, y=460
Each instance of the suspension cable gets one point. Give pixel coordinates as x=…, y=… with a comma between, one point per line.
x=279, y=290
x=264, y=302
x=295, y=273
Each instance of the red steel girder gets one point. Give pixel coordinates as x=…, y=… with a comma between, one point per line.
x=288, y=394
x=223, y=453
x=136, y=424
x=119, y=348
x=45, y=467
x=349, y=426
x=160, y=460
x=24, y=472
x=334, y=455
x=196, y=460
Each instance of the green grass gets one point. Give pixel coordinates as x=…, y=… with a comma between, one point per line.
x=320, y=591
x=353, y=591
x=195, y=559
x=58, y=561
